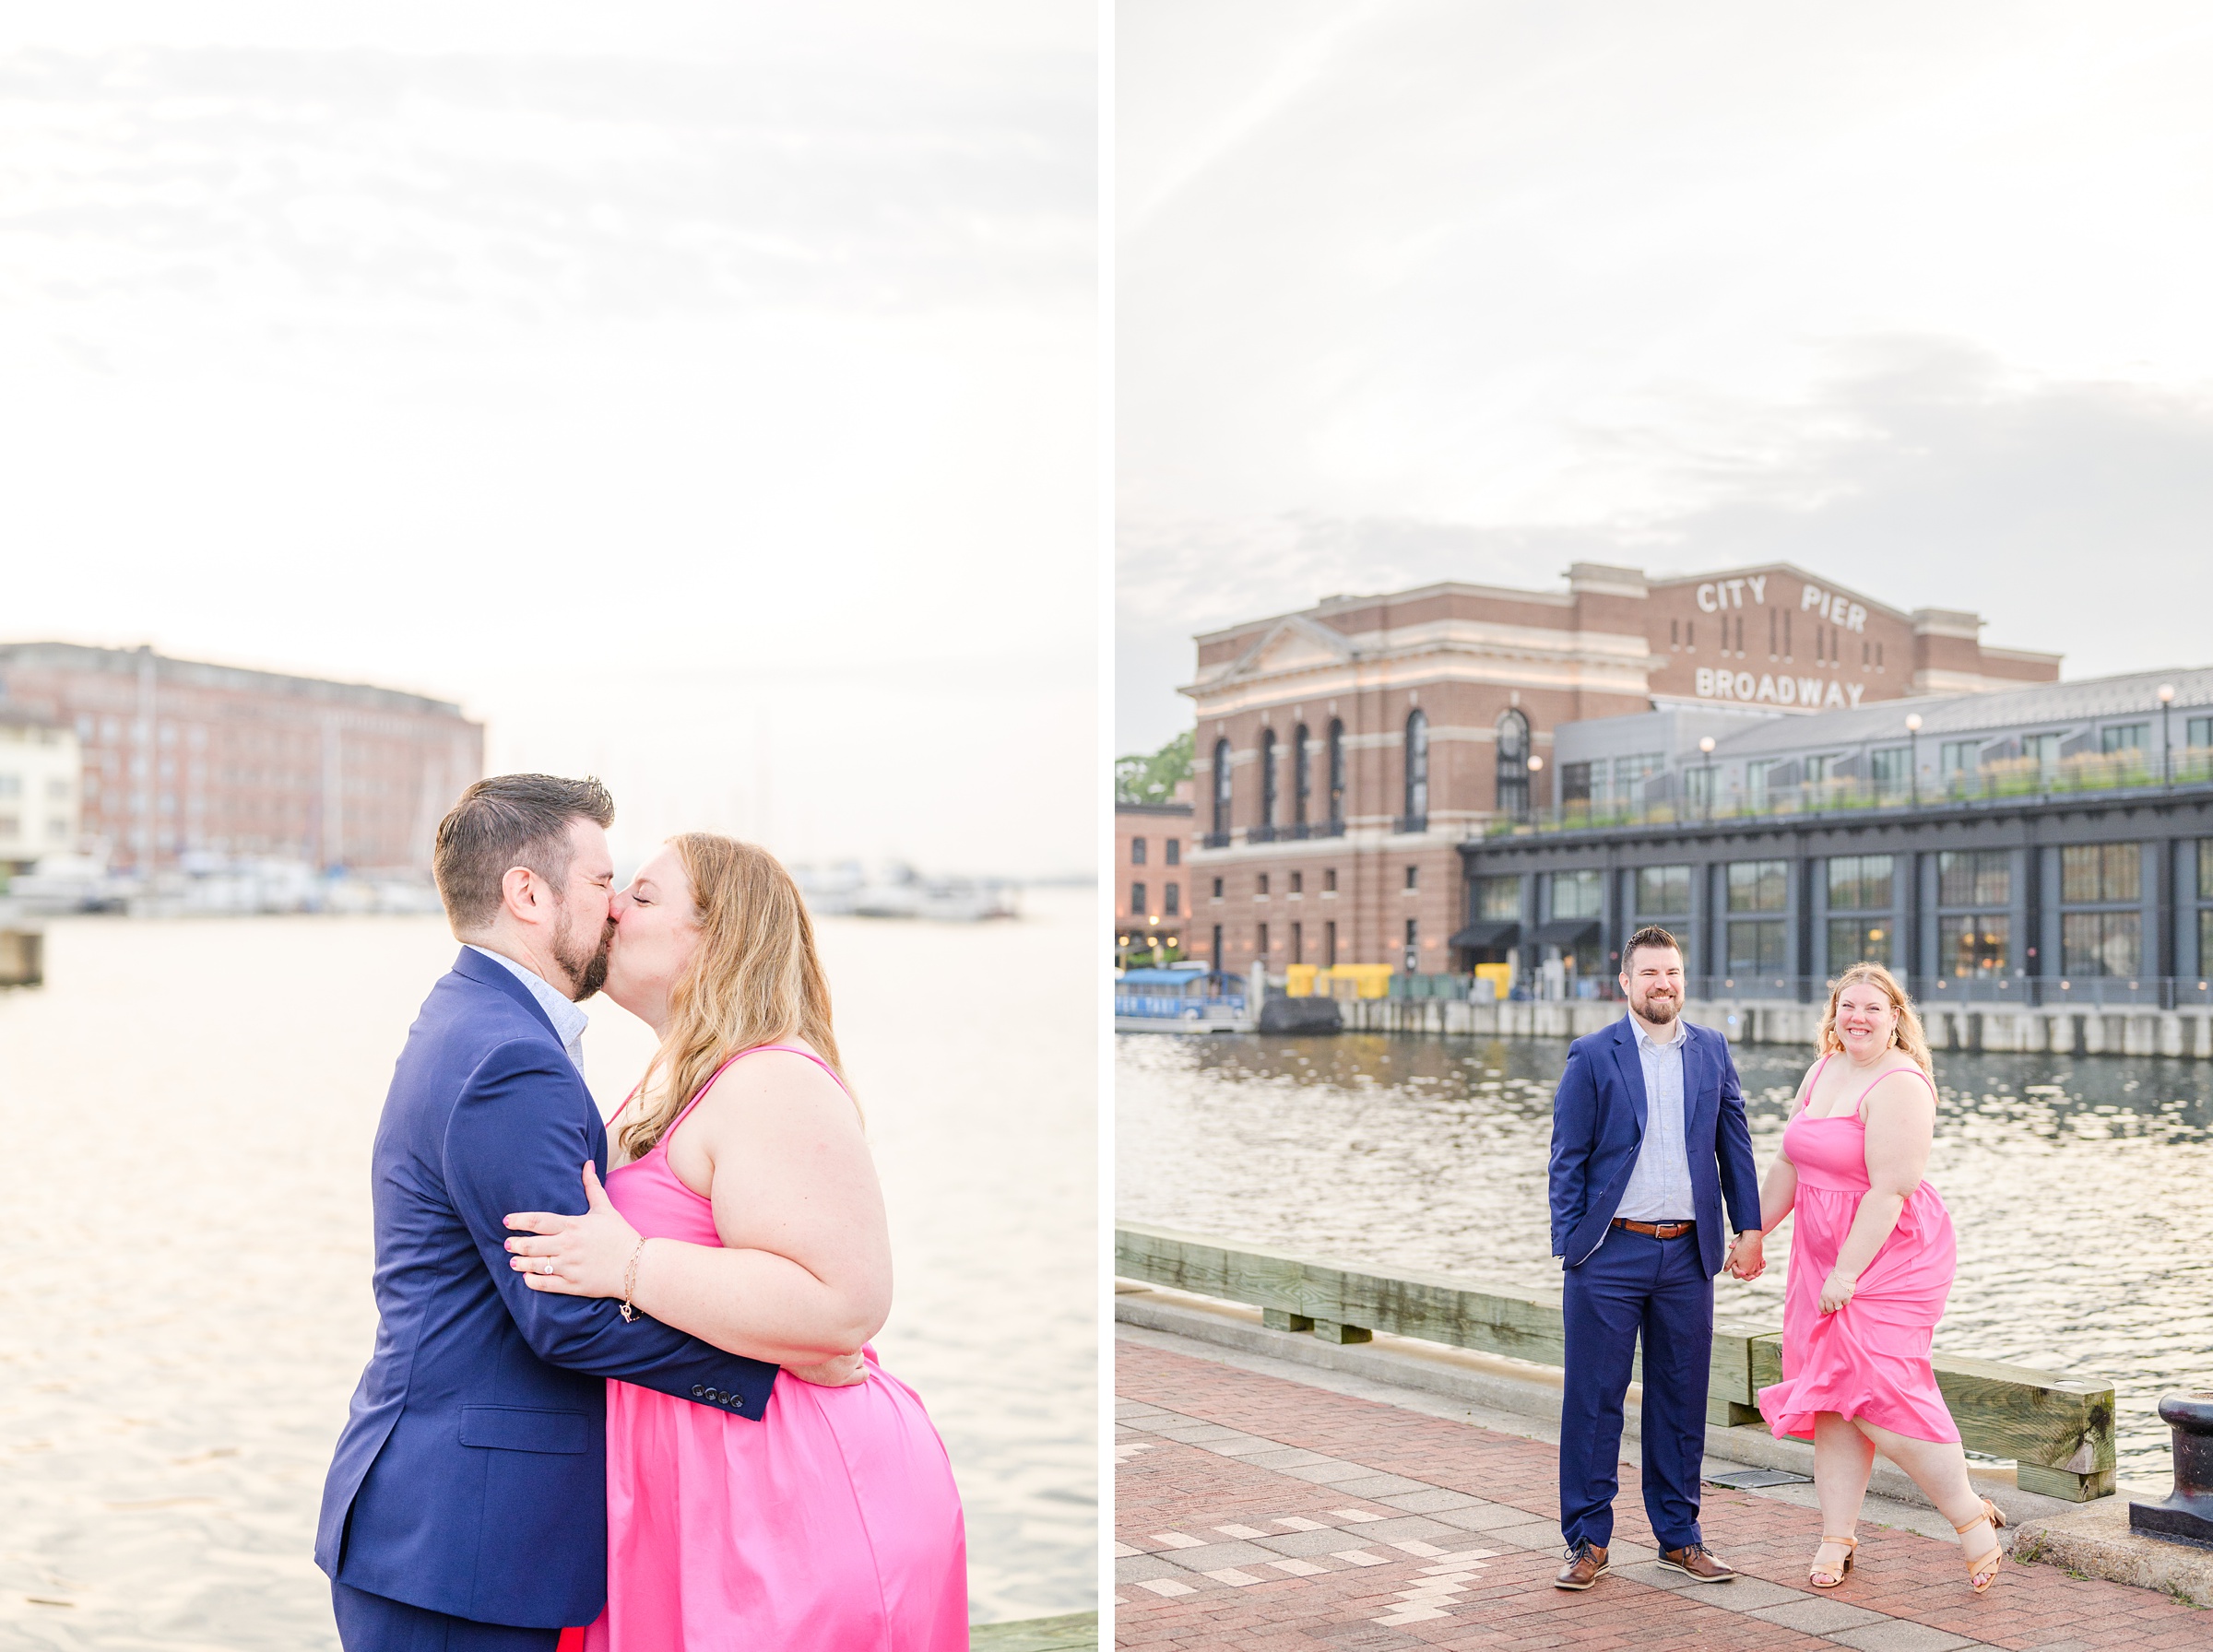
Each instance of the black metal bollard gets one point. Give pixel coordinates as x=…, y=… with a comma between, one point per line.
x=2187, y=1514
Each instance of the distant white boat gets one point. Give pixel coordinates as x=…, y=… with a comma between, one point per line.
x=899, y=892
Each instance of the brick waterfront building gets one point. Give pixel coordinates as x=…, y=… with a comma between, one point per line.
x=182, y=758
x=1344, y=749
x=1152, y=876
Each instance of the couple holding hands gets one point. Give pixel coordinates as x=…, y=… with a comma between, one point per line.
x=1648, y=1142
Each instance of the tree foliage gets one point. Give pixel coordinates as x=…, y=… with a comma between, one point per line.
x=1154, y=779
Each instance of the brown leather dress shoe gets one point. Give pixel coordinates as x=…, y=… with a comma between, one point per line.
x=1586, y=1565
x=1698, y=1566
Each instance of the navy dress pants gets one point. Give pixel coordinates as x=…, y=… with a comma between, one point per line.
x=377, y=1624
x=1632, y=1286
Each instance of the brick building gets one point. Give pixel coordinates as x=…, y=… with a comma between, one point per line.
x=38, y=789
x=1343, y=751
x=1152, y=877
x=182, y=758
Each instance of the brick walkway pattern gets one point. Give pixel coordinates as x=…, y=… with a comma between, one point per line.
x=1262, y=1515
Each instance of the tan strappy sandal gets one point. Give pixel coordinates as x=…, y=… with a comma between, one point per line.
x=1982, y=1571
x=1823, y=1580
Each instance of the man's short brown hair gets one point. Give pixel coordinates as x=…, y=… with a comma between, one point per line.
x=1651, y=935
x=505, y=822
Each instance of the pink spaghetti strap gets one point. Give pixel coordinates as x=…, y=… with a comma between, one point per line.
x=699, y=1095
x=1820, y=1067
x=1892, y=1073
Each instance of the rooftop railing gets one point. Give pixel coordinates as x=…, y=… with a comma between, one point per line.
x=2012, y=780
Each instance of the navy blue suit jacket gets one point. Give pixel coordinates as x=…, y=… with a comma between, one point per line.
x=471, y=1475
x=1598, y=1129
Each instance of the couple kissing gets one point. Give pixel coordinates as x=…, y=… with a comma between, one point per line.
x=621, y=1397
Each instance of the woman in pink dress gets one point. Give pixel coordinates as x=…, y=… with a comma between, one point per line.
x=1870, y=1268
x=744, y=1209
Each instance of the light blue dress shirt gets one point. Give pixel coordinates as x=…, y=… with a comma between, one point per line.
x=1659, y=1187
x=569, y=1022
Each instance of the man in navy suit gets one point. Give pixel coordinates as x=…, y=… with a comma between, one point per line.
x=1648, y=1138
x=465, y=1508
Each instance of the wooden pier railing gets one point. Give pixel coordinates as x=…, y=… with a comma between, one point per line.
x=2059, y=1431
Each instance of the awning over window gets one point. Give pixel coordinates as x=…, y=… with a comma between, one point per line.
x=1491, y=936
x=1566, y=932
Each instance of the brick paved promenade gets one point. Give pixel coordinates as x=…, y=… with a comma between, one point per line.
x=1259, y=1514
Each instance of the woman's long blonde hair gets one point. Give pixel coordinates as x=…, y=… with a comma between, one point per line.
x=754, y=979
x=1908, y=1035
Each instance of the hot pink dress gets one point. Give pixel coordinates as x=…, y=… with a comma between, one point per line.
x=1869, y=1359
x=832, y=1525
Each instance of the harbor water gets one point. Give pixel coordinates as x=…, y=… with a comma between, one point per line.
x=184, y=1256
x=2078, y=1185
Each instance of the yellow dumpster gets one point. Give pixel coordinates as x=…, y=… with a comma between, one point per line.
x=1500, y=975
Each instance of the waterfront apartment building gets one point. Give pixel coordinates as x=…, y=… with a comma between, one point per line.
x=2043, y=845
x=38, y=790
x=1346, y=750
x=180, y=758
x=1152, y=877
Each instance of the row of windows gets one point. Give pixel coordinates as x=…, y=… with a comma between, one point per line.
x=57, y=828
x=1171, y=851
x=1171, y=900
x=57, y=789
x=1513, y=771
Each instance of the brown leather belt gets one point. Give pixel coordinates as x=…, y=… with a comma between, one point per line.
x=1658, y=1229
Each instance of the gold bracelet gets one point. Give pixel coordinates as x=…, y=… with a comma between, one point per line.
x=629, y=1283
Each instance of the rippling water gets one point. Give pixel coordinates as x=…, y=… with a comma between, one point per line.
x=185, y=1250
x=2080, y=1186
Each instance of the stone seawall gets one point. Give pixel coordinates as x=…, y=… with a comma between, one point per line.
x=2119, y=1031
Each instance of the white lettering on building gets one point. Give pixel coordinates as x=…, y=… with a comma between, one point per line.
x=1835, y=607
x=1759, y=582
x=1706, y=602
x=1712, y=684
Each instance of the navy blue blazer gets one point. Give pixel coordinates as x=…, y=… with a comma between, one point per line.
x=1598, y=1128
x=471, y=1474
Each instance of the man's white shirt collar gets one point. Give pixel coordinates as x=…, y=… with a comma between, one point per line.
x=1650, y=1042
x=569, y=1022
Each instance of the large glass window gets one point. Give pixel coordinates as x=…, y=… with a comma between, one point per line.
x=1172, y=900
x=1222, y=779
x=1974, y=878
x=1498, y=900
x=1755, y=947
x=1336, y=769
x=2101, y=943
x=1888, y=769
x=1755, y=782
x=1857, y=940
x=2198, y=731
x=1578, y=894
x=1513, y=765
x=1417, y=769
x=1979, y=944
x=1137, y=900
x=1302, y=774
x=1760, y=885
x=2125, y=737
x=2100, y=872
x=1631, y=773
x=1575, y=786
x=1955, y=761
x=1268, y=777
x=2205, y=871
x=1663, y=892
x=1137, y=851
x=1861, y=882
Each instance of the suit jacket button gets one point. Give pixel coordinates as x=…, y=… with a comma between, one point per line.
x=698, y=1392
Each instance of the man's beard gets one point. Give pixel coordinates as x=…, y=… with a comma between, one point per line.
x=1658, y=1010
x=587, y=971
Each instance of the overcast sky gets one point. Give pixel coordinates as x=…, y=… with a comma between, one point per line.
x=1914, y=296
x=704, y=394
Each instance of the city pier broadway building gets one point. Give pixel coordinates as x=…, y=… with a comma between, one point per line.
x=1344, y=750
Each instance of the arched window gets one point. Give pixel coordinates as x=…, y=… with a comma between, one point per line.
x=1302, y=775
x=1513, y=765
x=1221, y=791
x=1336, y=772
x=1268, y=788
x=1417, y=773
